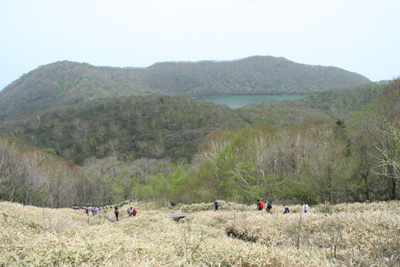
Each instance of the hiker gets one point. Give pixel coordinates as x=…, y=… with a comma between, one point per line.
x=260, y=205
x=269, y=207
x=116, y=212
x=216, y=204
x=304, y=208
x=132, y=211
x=285, y=209
x=87, y=210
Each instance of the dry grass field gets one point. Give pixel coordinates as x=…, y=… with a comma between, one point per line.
x=237, y=235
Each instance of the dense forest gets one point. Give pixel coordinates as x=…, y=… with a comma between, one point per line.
x=342, y=146
x=342, y=103
x=127, y=127
x=64, y=83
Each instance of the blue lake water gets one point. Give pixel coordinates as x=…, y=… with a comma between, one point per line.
x=238, y=101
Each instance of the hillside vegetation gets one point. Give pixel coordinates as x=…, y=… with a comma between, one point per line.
x=126, y=127
x=344, y=104
x=171, y=149
x=64, y=83
x=236, y=235
x=170, y=127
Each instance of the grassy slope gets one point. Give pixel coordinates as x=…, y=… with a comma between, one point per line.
x=346, y=234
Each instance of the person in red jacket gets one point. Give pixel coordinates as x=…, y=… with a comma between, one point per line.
x=216, y=204
x=116, y=212
x=260, y=205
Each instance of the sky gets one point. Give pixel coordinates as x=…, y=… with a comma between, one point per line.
x=360, y=36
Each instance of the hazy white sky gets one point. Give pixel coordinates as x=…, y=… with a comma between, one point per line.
x=357, y=35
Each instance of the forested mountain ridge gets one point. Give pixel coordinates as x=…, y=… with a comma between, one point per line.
x=127, y=127
x=64, y=83
x=169, y=127
x=253, y=75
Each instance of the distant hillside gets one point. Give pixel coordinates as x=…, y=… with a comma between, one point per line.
x=126, y=127
x=253, y=75
x=170, y=127
x=332, y=104
x=64, y=83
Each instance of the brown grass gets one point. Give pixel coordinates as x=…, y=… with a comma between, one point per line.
x=236, y=235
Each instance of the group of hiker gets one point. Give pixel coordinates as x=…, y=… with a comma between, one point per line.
x=88, y=209
x=260, y=205
x=268, y=206
x=130, y=211
x=94, y=210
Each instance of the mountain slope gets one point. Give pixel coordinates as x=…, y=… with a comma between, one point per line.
x=126, y=127
x=170, y=127
x=253, y=75
x=332, y=104
x=64, y=83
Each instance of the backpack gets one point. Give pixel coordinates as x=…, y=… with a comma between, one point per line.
x=269, y=206
x=217, y=203
x=287, y=210
x=306, y=208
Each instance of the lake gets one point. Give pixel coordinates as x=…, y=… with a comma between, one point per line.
x=238, y=101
